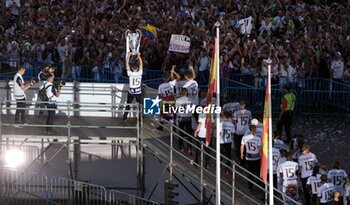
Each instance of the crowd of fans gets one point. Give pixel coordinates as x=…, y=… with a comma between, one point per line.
x=304, y=39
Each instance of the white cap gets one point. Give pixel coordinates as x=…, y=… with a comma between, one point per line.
x=254, y=122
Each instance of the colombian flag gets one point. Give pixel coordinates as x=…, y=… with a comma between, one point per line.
x=149, y=33
x=211, y=91
x=265, y=141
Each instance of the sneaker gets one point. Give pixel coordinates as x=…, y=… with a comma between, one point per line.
x=160, y=128
x=24, y=122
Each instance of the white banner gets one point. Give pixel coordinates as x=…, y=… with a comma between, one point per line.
x=180, y=43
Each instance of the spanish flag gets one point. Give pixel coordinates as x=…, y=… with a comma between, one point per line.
x=265, y=137
x=211, y=91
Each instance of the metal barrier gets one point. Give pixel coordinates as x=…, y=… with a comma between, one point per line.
x=324, y=102
x=19, y=187
x=121, y=198
x=67, y=191
x=173, y=157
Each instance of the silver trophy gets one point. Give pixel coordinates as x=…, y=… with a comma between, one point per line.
x=133, y=41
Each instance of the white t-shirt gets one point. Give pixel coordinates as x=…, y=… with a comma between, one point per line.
x=242, y=117
x=347, y=192
x=178, y=87
x=252, y=144
x=337, y=177
x=275, y=158
x=259, y=130
x=227, y=131
x=135, y=81
x=337, y=67
x=278, y=144
x=306, y=163
x=314, y=182
x=288, y=170
x=192, y=87
x=62, y=51
x=183, y=102
x=231, y=107
x=18, y=91
x=167, y=89
x=203, y=130
x=325, y=192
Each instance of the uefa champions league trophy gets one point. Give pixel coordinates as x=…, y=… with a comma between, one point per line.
x=133, y=42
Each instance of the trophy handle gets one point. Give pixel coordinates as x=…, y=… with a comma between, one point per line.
x=127, y=43
x=139, y=35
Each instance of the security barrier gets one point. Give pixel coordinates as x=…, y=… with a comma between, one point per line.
x=121, y=198
x=19, y=187
x=66, y=191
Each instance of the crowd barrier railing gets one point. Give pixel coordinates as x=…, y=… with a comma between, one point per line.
x=173, y=157
x=21, y=188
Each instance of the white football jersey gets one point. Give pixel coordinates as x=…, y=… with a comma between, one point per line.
x=192, y=88
x=135, y=81
x=275, y=158
x=183, y=102
x=227, y=131
x=167, y=89
x=231, y=107
x=306, y=163
x=314, y=182
x=252, y=144
x=337, y=177
x=288, y=170
x=178, y=87
x=347, y=192
x=242, y=117
x=18, y=91
x=278, y=144
x=325, y=192
x=203, y=130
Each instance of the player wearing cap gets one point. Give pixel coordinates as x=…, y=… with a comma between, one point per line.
x=252, y=145
x=259, y=128
x=325, y=192
x=337, y=177
x=286, y=115
x=306, y=161
x=227, y=131
x=184, y=119
x=241, y=119
x=313, y=184
x=135, y=77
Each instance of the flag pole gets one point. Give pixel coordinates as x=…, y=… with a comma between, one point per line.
x=271, y=200
x=218, y=177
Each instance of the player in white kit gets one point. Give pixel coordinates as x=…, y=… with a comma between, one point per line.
x=337, y=176
x=241, y=118
x=135, y=77
x=313, y=184
x=325, y=192
x=306, y=161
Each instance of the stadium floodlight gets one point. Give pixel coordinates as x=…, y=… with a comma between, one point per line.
x=13, y=158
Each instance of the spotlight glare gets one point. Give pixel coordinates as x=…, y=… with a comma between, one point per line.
x=13, y=158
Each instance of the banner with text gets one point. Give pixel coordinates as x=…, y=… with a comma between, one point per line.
x=179, y=43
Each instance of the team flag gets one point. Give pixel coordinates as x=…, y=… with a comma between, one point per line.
x=265, y=137
x=211, y=91
x=149, y=33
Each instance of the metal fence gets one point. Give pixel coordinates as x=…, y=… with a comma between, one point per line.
x=204, y=178
x=121, y=198
x=24, y=188
x=67, y=191
x=19, y=187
